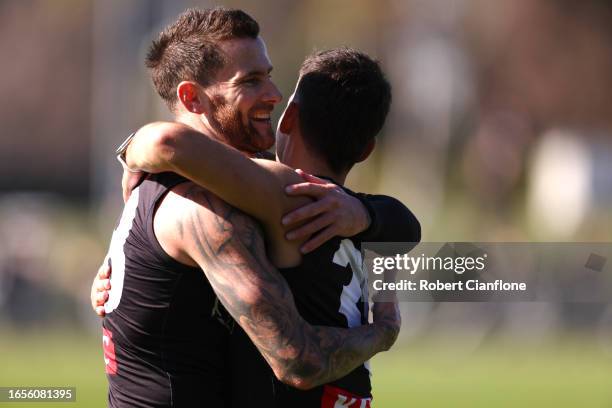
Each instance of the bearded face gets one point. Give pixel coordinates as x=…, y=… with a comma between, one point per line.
x=242, y=96
x=249, y=131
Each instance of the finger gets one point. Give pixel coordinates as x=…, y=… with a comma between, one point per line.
x=100, y=311
x=134, y=179
x=309, y=189
x=310, y=178
x=318, y=240
x=125, y=190
x=104, y=271
x=306, y=211
x=129, y=182
x=101, y=298
x=310, y=228
x=102, y=285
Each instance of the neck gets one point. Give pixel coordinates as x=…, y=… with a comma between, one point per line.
x=195, y=122
x=316, y=166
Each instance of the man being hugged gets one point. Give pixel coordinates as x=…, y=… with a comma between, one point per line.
x=162, y=316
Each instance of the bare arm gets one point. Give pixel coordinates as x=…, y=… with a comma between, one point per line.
x=229, y=248
x=253, y=186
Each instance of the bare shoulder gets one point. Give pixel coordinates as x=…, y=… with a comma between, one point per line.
x=282, y=252
x=284, y=174
x=190, y=217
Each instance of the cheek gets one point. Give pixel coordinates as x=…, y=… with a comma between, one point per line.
x=245, y=98
x=244, y=106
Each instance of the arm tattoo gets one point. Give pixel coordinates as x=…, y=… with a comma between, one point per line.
x=231, y=252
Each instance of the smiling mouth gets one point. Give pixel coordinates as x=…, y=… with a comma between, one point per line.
x=261, y=116
x=261, y=119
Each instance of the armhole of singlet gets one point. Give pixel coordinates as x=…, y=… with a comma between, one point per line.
x=158, y=250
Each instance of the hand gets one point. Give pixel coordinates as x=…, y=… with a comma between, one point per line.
x=100, y=288
x=334, y=213
x=387, y=317
x=129, y=181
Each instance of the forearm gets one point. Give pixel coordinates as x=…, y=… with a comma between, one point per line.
x=171, y=146
x=343, y=350
x=230, y=250
x=300, y=354
x=239, y=180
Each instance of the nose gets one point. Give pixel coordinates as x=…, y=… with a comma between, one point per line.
x=272, y=94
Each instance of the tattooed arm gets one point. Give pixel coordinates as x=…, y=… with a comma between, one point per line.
x=197, y=228
x=221, y=169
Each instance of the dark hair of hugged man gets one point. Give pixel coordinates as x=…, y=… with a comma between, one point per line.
x=344, y=99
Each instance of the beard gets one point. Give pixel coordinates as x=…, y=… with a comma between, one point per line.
x=228, y=122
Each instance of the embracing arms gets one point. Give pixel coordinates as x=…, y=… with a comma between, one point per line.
x=255, y=186
x=259, y=188
x=244, y=183
x=164, y=146
x=229, y=248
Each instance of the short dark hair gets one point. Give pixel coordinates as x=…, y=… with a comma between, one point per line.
x=343, y=99
x=188, y=49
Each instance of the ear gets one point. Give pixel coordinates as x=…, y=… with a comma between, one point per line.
x=192, y=98
x=290, y=118
x=367, y=151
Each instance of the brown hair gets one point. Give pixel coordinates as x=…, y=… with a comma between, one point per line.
x=188, y=49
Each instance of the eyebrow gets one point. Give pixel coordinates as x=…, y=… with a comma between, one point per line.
x=256, y=72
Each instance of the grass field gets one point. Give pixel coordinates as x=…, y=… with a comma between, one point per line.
x=571, y=374
x=568, y=374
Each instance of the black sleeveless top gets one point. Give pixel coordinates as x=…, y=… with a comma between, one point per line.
x=330, y=289
x=164, y=335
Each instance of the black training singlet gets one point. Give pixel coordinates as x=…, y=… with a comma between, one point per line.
x=329, y=288
x=165, y=344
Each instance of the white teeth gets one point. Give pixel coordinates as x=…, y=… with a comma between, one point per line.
x=261, y=116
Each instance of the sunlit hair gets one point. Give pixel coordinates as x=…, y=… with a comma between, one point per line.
x=188, y=49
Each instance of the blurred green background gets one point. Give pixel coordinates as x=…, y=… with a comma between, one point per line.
x=500, y=130
x=563, y=373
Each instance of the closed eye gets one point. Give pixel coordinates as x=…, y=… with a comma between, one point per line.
x=256, y=79
x=252, y=81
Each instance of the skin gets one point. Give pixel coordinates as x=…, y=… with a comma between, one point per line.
x=178, y=148
x=244, y=87
x=196, y=228
x=229, y=247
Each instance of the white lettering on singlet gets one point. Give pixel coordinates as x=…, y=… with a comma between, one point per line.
x=357, y=289
x=344, y=402
x=116, y=254
x=347, y=254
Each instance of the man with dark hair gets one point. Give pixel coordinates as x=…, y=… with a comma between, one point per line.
x=345, y=100
x=165, y=337
x=329, y=284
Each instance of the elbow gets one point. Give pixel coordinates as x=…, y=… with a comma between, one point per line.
x=416, y=230
x=411, y=229
x=300, y=382
x=163, y=138
x=165, y=148
x=301, y=373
